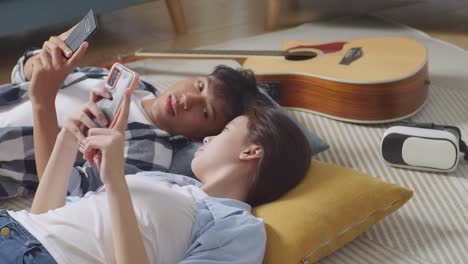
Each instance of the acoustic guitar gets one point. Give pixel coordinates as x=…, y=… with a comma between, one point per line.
x=372, y=80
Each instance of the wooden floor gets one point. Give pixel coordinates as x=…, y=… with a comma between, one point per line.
x=148, y=25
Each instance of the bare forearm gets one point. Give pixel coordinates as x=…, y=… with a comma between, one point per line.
x=128, y=243
x=52, y=189
x=127, y=239
x=28, y=68
x=45, y=133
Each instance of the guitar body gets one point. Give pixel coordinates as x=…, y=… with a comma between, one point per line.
x=388, y=82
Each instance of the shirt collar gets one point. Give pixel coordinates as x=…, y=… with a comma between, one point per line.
x=219, y=207
x=173, y=178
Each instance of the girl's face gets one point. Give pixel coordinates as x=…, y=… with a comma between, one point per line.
x=223, y=150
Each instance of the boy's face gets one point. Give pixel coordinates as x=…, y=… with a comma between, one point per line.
x=189, y=108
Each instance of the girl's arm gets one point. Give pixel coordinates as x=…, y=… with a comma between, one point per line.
x=59, y=159
x=44, y=133
x=128, y=243
x=52, y=189
x=109, y=144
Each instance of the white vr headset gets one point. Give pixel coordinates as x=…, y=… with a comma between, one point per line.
x=423, y=146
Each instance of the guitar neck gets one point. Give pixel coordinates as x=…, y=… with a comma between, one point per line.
x=238, y=55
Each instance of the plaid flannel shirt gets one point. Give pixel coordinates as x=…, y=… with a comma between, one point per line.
x=147, y=148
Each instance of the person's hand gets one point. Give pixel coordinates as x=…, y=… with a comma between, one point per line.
x=51, y=67
x=99, y=93
x=67, y=52
x=78, y=123
x=105, y=146
x=76, y=126
x=91, y=108
x=84, y=119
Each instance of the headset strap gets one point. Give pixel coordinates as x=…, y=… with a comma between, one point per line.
x=464, y=149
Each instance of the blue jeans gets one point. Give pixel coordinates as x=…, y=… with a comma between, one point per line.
x=17, y=245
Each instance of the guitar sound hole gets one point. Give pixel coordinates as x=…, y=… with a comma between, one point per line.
x=300, y=55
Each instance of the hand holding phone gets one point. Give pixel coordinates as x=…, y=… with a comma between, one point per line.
x=85, y=29
x=119, y=80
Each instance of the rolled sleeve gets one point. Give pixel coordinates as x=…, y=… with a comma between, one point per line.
x=17, y=74
x=234, y=241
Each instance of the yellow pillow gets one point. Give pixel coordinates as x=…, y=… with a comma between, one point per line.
x=328, y=209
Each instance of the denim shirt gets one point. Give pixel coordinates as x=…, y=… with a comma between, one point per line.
x=224, y=230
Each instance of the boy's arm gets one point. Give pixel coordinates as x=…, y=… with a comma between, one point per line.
x=28, y=68
x=50, y=69
x=18, y=74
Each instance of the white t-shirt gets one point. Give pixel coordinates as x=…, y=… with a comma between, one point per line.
x=81, y=232
x=68, y=101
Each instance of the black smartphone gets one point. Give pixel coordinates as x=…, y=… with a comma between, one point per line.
x=83, y=31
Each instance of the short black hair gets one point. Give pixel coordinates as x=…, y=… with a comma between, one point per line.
x=286, y=154
x=238, y=89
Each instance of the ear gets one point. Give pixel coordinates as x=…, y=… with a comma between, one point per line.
x=251, y=152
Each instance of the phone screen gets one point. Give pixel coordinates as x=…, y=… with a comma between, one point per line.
x=119, y=80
